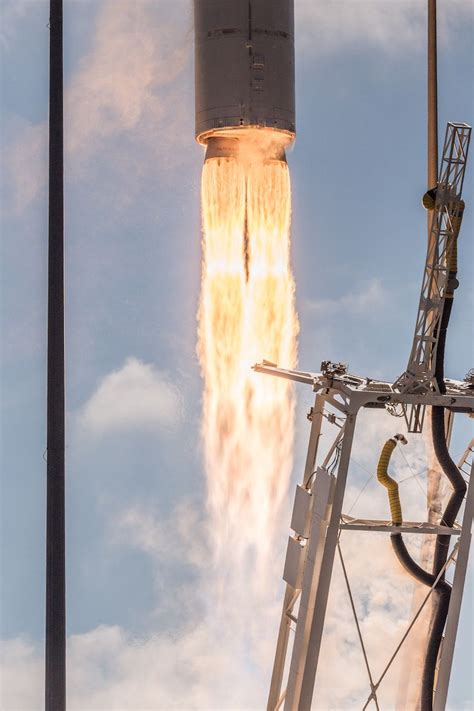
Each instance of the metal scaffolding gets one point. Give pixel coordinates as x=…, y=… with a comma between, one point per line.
x=444, y=227
x=318, y=520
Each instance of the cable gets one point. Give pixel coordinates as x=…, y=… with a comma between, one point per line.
x=414, y=475
x=359, y=633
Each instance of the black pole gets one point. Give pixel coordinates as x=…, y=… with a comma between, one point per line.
x=55, y=653
x=432, y=97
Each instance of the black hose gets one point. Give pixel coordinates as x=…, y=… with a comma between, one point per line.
x=441, y=448
x=442, y=589
x=456, y=480
x=442, y=593
x=440, y=351
x=408, y=563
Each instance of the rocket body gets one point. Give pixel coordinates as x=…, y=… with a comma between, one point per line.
x=245, y=70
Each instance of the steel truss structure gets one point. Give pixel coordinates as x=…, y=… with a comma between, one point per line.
x=444, y=226
x=318, y=521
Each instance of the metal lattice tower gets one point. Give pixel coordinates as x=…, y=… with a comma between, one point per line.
x=447, y=212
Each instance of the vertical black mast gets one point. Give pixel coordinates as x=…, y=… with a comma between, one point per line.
x=55, y=687
x=432, y=97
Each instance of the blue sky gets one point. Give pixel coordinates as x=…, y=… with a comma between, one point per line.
x=136, y=488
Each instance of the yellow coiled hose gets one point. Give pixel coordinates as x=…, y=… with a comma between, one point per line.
x=386, y=480
x=456, y=215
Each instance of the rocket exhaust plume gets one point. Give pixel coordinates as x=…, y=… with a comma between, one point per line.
x=247, y=309
x=245, y=118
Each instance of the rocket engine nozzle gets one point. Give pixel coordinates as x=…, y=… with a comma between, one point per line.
x=244, y=147
x=219, y=147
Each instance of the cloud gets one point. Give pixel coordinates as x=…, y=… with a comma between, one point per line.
x=207, y=658
x=180, y=538
x=218, y=655
x=213, y=652
x=109, y=669
x=135, y=397
x=125, y=88
x=20, y=660
x=27, y=162
x=372, y=296
x=140, y=50
x=13, y=12
x=333, y=25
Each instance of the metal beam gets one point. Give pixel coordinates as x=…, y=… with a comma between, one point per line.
x=274, y=697
x=291, y=595
x=314, y=643
x=454, y=611
x=316, y=416
x=55, y=647
x=383, y=526
x=321, y=494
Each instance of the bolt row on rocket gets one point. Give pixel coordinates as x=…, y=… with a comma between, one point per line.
x=245, y=74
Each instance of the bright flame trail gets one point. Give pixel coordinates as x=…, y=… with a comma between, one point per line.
x=246, y=312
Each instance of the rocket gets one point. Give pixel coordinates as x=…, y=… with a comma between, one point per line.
x=244, y=75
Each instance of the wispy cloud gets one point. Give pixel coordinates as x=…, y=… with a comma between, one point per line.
x=124, y=84
x=371, y=296
x=139, y=528
x=334, y=25
x=126, y=88
x=12, y=13
x=137, y=396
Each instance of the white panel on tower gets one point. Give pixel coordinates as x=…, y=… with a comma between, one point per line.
x=301, y=518
x=293, y=570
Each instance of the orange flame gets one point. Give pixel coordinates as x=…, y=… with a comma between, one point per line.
x=246, y=313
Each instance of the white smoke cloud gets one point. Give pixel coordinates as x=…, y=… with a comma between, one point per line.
x=220, y=656
x=127, y=87
x=109, y=669
x=135, y=397
x=181, y=537
x=209, y=658
x=140, y=50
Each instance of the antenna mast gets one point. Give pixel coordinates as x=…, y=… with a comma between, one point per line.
x=432, y=97
x=55, y=652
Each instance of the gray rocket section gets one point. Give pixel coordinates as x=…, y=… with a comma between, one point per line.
x=245, y=67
